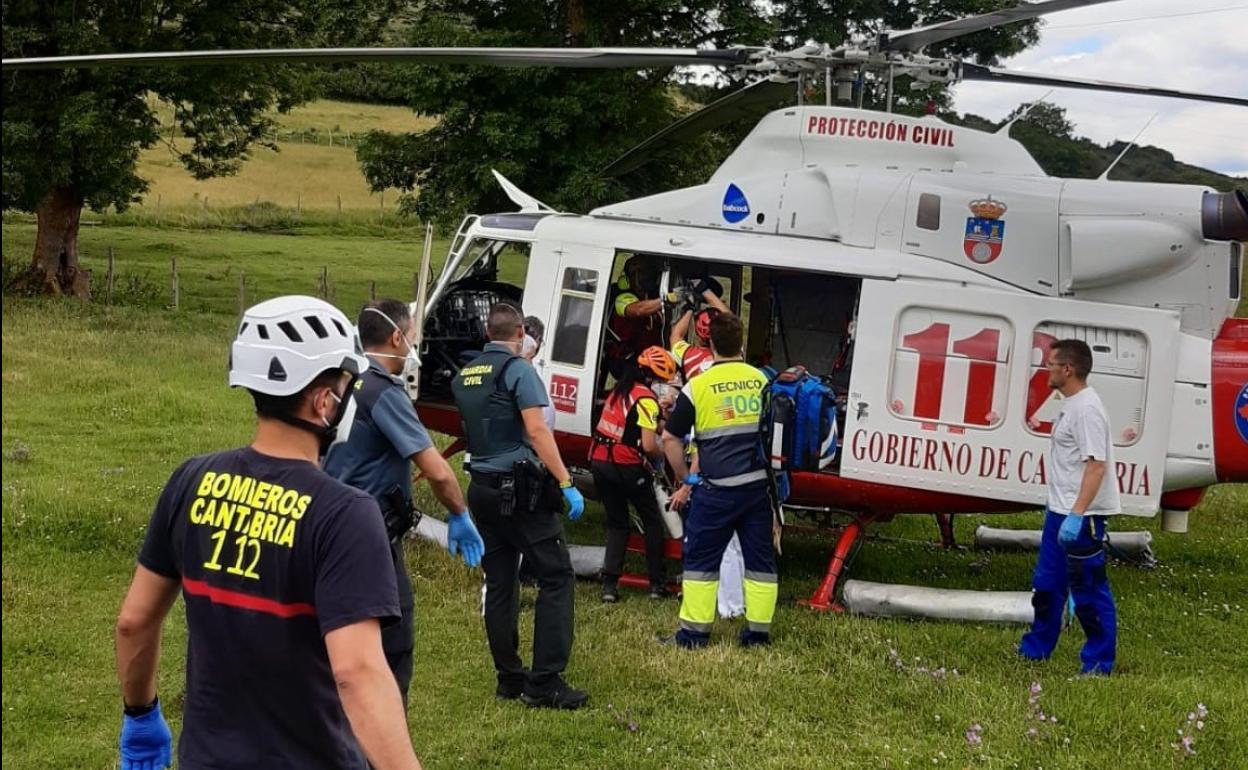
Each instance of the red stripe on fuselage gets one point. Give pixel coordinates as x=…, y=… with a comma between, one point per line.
x=246, y=601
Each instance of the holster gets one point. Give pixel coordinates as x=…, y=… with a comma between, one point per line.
x=535, y=487
x=398, y=512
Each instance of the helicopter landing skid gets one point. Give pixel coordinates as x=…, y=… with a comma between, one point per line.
x=945, y=522
x=671, y=550
x=824, y=597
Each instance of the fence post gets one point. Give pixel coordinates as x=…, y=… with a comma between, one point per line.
x=325, y=282
x=159, y=220
x=110, y=276
x=382, y=218
x=331, y=137
x=339, y=219
x=242, y=292
x=372, y=291
x=173, y=267
x=299, y=205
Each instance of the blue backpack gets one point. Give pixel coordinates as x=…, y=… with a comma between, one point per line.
x=799, y=422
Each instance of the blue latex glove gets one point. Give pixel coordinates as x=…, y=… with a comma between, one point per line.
x=576, y=502
x=462, y=538
x=693, y=479
x=1072, y=527
x=146, y=743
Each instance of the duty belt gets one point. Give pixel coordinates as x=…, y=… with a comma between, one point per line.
x=487, y=479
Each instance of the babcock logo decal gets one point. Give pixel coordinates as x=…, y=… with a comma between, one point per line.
x=1241, y=413
x=736, y=207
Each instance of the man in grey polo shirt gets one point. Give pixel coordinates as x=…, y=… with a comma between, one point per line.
x=385, y=438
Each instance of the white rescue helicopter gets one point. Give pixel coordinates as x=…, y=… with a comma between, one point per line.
x=923, y=267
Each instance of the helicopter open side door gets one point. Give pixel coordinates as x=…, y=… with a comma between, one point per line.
x=949, y=390
x=567, y=287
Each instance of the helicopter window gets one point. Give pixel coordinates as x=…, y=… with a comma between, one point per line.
x=1237, y=259
x=1119, y=366
x=576, y=312
x=951, y=368
x=929, y=212
x=580, y=279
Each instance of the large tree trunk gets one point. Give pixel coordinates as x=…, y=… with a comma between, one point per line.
x=54, y=268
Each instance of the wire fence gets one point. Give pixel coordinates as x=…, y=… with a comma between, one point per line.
x=233, y=288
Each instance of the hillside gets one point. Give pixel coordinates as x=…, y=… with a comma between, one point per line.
x=1049, y=137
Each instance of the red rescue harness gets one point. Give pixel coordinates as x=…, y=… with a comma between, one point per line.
x=608, y=440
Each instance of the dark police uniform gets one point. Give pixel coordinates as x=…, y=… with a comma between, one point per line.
x=490, y=392
x=377, y=459
x=272, y=555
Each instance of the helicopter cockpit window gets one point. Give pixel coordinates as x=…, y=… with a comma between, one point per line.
x=928, y=216
x=505, y=261
x=1119, y=368
x=576, y=313
x=951, y=368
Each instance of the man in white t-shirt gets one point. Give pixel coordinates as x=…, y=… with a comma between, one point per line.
x=1083, y=490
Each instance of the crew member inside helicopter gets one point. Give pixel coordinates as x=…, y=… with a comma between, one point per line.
x=636, y=313
x=625, y=449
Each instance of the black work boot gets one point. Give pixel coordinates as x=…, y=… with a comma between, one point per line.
x=658, y=591
x=610, y=590
x=510, y=687
x=561, y=696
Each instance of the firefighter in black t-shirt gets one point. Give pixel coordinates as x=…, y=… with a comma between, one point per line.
x=285, y=572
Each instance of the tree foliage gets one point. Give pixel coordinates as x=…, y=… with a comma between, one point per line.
x=551, y=131
x=72, y=137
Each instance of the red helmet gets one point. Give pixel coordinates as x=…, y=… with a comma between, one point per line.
x=702, y=322
x=658, y=361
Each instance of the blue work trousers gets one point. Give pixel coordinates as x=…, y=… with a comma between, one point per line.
x=1080, y=570
x=715, y=513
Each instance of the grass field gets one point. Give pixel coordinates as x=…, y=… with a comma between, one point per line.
x=306, y=170
x=101, y=404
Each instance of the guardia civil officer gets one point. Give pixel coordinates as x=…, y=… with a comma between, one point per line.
x=386, y=437
x=731, y=493
x=517, y=477
x=625, y=447
x=1083, y=490
x=285, y=573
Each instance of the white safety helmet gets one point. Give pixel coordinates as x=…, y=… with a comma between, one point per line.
x=284, y=343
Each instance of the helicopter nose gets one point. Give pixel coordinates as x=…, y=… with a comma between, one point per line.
x=1230, y=401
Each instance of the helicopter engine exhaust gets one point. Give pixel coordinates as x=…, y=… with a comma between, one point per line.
x=1224, y=216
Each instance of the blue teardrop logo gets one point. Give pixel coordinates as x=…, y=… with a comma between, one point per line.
x=736, y=207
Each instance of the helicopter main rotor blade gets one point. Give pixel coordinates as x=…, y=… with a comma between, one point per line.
x=970, y=71
x=751, y=101
x=589, y=58
x=915, y=39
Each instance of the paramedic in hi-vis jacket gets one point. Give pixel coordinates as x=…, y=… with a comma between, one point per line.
x=730, y=493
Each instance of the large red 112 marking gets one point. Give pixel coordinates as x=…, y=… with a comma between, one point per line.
x=932, y=345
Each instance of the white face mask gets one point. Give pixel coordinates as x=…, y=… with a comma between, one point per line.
x=411, y=361
x=342, y=431
x=528, y=348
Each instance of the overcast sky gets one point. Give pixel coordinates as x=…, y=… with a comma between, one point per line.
x=1190, y=45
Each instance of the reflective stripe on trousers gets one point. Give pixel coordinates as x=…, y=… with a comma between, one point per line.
x=715, y=513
